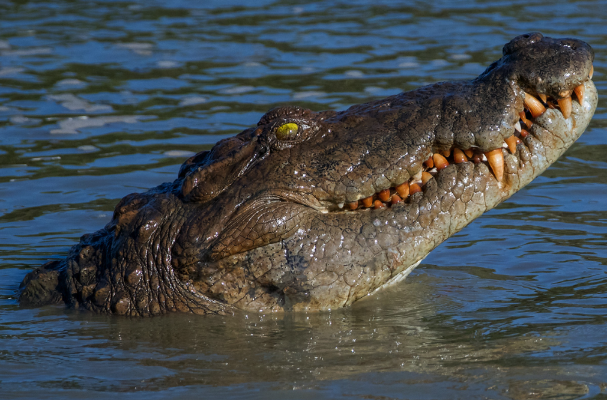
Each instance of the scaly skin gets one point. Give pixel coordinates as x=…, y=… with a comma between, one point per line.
x=277, y=217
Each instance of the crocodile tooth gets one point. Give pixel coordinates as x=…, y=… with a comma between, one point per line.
x=429, y=162
x=565, y=105
x=534, y=105
x=524, y=133
x=353, y=206
x=417, y=177
x=403, y=190
x=396, y=199
x=543, y=97
x=579, y=92
x=469, y=153
x=426, y=176
x=591, y=71
x=440, y=162
x=459, y=156
x=511, y=142
x=446, y=153
x=525, y=120
x=378, y=204
x=384, y=195
x=517, y=126
x=340, y=205
x=496, y=161
x=368, y=201
x=414, y=188
x=477, y=158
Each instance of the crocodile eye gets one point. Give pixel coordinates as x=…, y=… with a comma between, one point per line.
x=287, y=131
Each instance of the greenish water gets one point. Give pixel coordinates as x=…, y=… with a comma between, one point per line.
x=101, y=99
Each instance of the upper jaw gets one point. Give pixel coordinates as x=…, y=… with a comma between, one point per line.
x=505, y=100
x=565, y=120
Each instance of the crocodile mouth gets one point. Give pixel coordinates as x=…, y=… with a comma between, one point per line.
x=535, y=105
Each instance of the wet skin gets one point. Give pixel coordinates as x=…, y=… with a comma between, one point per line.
x=314, y=210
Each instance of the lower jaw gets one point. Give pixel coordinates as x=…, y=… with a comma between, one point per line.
x=549, y=137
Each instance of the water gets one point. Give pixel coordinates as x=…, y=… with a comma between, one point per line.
x=101, y=99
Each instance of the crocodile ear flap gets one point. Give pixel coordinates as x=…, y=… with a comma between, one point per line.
x=258, y=223
x=219, y=168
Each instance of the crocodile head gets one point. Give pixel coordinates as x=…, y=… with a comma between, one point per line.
x=314, y=210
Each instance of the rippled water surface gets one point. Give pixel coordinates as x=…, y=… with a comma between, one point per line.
x=102, y=99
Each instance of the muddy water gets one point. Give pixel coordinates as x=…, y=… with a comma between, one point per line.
x=101, y=99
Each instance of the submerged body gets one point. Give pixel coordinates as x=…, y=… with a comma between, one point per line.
x=314, y=210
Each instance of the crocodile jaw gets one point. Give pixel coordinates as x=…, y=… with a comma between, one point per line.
x=386, y=244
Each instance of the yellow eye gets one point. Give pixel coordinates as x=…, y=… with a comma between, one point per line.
x=286, y=131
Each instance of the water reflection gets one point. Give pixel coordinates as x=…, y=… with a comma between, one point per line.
x=397, y=338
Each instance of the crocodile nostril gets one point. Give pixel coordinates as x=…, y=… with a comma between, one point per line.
x=522, y=41
x=572, y=44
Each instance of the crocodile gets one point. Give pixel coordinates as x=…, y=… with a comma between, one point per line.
x=315, y=210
